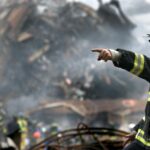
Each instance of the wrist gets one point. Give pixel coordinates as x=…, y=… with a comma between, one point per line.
x=115, y=55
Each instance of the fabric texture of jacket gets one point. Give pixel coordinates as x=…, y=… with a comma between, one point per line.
x=138, y=65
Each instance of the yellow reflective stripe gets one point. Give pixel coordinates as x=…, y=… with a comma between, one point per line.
x=148, y=99
x=23, y=125
x=140, y=131
x=138, y=64
x=141, y=139
x=135, y=63
x=141, y=65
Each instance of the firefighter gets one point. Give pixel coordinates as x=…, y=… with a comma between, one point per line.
x=54, y=129
x=23, y=124
x=5, y=140
x=139, y=65
x=13, y=134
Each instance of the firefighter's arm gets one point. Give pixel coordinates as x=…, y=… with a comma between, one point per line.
x=139, y=125
x=136, y=64
x=130, y=137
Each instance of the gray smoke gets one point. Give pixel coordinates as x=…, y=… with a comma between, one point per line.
x=28, y=85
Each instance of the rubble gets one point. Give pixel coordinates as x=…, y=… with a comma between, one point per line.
x=38, y=54
x=62, y=37
x=15, y=19
x=94, y=114
x=24, y=37
x=120, y=20
x=46, y=54
x=121, y=112
x=78, y=139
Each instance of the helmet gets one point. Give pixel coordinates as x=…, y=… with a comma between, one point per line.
x=12, y=127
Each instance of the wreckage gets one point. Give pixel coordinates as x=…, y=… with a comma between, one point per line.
x=37, y=45
x=78, y=139
x=99, y=113
x=71, y=16
x=42, y=55
x=89, y=134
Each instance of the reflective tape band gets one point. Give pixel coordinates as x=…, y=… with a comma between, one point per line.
x=143, y=118
x=135, y=64
x=142, y=65
x=138, y=64
x=23, y=125
x=140, y=138
x=141, y=131
x=148, y=99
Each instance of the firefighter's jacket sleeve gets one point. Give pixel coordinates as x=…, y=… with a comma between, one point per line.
x=139, y=125
x=137, y=64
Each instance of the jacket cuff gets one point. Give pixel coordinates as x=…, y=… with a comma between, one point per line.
x=115, y=54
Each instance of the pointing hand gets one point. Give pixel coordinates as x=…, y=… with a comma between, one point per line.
x=104, y=54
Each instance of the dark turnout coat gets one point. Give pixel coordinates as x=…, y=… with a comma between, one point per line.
x=138, y=65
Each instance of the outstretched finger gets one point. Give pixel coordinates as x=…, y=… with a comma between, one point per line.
x=97, y=50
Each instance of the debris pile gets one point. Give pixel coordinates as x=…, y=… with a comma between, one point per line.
x=44, y=51
x=94, y=113
x=78, y=139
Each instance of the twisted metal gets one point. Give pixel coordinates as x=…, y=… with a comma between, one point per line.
x=84, y=138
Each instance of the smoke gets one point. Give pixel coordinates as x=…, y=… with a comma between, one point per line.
x=69, y=57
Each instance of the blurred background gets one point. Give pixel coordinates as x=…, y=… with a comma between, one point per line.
x=48, y=74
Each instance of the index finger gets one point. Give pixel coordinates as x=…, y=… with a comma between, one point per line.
x=97, y=50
